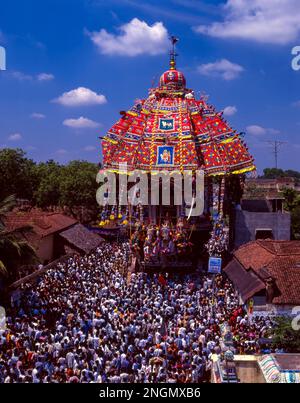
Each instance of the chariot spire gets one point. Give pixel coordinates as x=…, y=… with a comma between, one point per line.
x=173, y=53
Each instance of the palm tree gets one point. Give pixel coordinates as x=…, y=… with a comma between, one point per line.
x=14, y=252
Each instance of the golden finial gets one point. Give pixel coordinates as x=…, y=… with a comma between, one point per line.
x=173, y=53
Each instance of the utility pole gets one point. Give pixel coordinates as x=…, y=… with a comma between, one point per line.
x=276, y=145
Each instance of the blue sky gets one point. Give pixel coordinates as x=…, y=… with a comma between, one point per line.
x=73, y=65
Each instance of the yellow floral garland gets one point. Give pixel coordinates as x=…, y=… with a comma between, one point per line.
x=152, y=151
x=180, y=137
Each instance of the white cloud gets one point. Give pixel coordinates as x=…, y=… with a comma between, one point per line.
x=80, y=97
x=31, y=148
x=45, y=77
x=89, y=148
x=135, y=38
x=81, y=123
x=36, y=115
x=15, y=137
x=264, y=21
x=221, y=68
x=230, y=110
x=256, y=130
x=61, y=151
x=18, y=75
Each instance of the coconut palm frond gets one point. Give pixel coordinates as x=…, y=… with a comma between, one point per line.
x=13, y=245
x=7, y=205
x=10, y=247
x=16, y=232
x=3, y=270
x=27, y=250
x=14, y=250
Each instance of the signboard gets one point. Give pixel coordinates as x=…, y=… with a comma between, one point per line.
x=165, y=155
x=166, y=124
x=214, y=265
x=2, y=319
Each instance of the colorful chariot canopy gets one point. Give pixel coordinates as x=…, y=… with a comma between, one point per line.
x=172, y=130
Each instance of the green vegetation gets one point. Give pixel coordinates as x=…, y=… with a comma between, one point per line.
x=49, y=184
x=273, y=173
x=292, y=204
x=285, y=336
x=17, y=174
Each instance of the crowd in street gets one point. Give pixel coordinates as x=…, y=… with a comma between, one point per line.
x=88, y=321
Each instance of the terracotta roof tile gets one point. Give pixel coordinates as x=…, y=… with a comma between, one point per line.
x=42, y=223
x=252, y=255
x=247, y=280
x=278, y=259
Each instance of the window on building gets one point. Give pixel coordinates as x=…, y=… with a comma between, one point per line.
x=264, y=234
x=276, y=205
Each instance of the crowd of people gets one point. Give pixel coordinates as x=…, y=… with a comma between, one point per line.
x=88, y=321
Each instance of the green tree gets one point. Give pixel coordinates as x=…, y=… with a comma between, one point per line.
x=291, y=198
x=295, y=218
x=17, y=174
x=284, y=336
x=14, y=252
x=47, y=192
x=78, y=186
x=273, y=173
x=292, y=204
x=292, y=174
x=49, y=184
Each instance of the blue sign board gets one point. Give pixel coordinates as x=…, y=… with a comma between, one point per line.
x=166, y=124
x=214, y=265
x=165, y=155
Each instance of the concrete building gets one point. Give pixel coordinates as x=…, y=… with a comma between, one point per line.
x=261, y=214
x=270, y=184
x=251, y=225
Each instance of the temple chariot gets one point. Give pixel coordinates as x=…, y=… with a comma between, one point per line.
x=173, y=131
